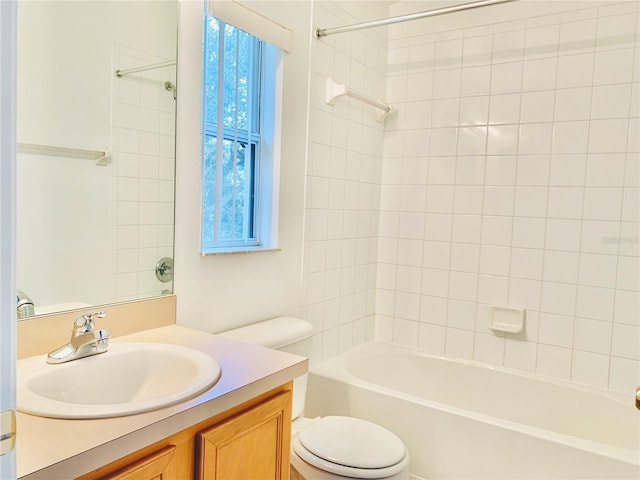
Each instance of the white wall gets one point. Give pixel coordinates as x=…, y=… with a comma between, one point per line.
x=511, y=178
x=219, y=292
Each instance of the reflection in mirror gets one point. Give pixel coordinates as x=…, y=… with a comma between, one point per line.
x=95, y=151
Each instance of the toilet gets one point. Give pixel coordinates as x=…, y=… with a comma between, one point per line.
x=332, y=447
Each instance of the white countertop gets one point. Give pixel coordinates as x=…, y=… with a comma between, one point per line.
x=49, y=448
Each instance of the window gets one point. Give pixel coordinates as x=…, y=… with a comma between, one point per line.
x=239, y=82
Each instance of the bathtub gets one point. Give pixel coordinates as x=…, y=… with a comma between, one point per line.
x=467, y=420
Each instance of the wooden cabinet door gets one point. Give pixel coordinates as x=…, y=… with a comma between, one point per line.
x=253, y=445
x=157, y=466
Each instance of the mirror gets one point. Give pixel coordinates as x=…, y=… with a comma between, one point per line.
x=95, y=189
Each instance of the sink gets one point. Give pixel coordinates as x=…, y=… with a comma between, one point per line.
x=129, y=378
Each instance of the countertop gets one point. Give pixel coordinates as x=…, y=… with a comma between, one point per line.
x=49, y=448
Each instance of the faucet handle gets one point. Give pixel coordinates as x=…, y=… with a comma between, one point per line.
x=85, y=323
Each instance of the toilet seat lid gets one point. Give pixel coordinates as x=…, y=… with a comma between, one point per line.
x=352, y=442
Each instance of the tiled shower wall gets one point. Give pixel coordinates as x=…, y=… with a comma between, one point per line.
x=510, y=177
x=143, y=135
x=343, y=182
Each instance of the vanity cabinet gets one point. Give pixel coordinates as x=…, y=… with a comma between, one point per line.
x=250, y=441
x=252, y=445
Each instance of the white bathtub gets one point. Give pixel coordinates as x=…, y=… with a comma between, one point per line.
x=466, y=420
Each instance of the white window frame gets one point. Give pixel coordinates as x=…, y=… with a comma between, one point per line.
x=266, y=176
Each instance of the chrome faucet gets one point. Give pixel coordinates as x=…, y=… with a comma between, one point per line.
x=85, y=341
x=24, y=305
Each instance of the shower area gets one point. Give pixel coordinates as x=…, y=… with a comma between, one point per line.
x=506, y=174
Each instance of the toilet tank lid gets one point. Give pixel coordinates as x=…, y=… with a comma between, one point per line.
x=275, y=333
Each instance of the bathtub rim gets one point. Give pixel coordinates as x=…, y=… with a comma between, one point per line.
x=329, y=370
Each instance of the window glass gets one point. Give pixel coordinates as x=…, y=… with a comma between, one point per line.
x=233, y=84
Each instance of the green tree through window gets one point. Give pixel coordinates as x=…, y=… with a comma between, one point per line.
x=231, y=136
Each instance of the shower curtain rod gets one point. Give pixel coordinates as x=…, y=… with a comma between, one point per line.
x=323, y=32
x=122, y=73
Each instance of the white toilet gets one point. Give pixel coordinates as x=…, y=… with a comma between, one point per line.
x=331, y=447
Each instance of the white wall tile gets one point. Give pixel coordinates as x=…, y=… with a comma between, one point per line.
x=590, y=368
x=531, y=202
x=468, y=200
x=605, y=170
x=489, y=349
x=433, y=310
x=628, y=275
x=474, y=110
x=613, y=66
x=444, y=112
x=505, y=108
x=469, y=170
x=525, y=263
x=554, y=361
x=565, y=202
x=465, y=257
x=608, y=136
x=459, y=343
x=494, y=260
x=560, y=267
x=568, y=170
x=496, y=230
x=615, y=31
x=602, y=203
x=525, y=293
x=460, y=314
x=502, y=139
x=540, y=74
x=533, y=170
x=407, y=307
x=493, y=290
x=535, y=138
x=542, y=41
x=563, y=234
x=431, y=338
x=537, y=106
x=597, y=270
x=463, y=286
x=626, y=341
x=558, y=298
x=446, y=83
x=592, y=336
x=506, y=77
x=610, y=101
x=475, y=80
x=577, y=36
x=571, y=137
x=443, y=141
x=572, y=104
x=528, y=232
x=575, y=70
x=500, y=170
x=520, y=355
x=498, y=200
x=627, y=307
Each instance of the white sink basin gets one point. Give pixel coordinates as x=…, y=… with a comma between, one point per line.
x=129, y=378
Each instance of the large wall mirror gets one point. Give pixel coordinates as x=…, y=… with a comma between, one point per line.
x=96, y=151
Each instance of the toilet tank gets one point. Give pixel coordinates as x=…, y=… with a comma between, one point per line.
x=287, y=334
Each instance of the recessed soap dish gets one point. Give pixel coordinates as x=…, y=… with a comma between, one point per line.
x=507, y=319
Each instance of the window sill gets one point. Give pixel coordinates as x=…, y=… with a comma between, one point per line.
x=242, y=251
